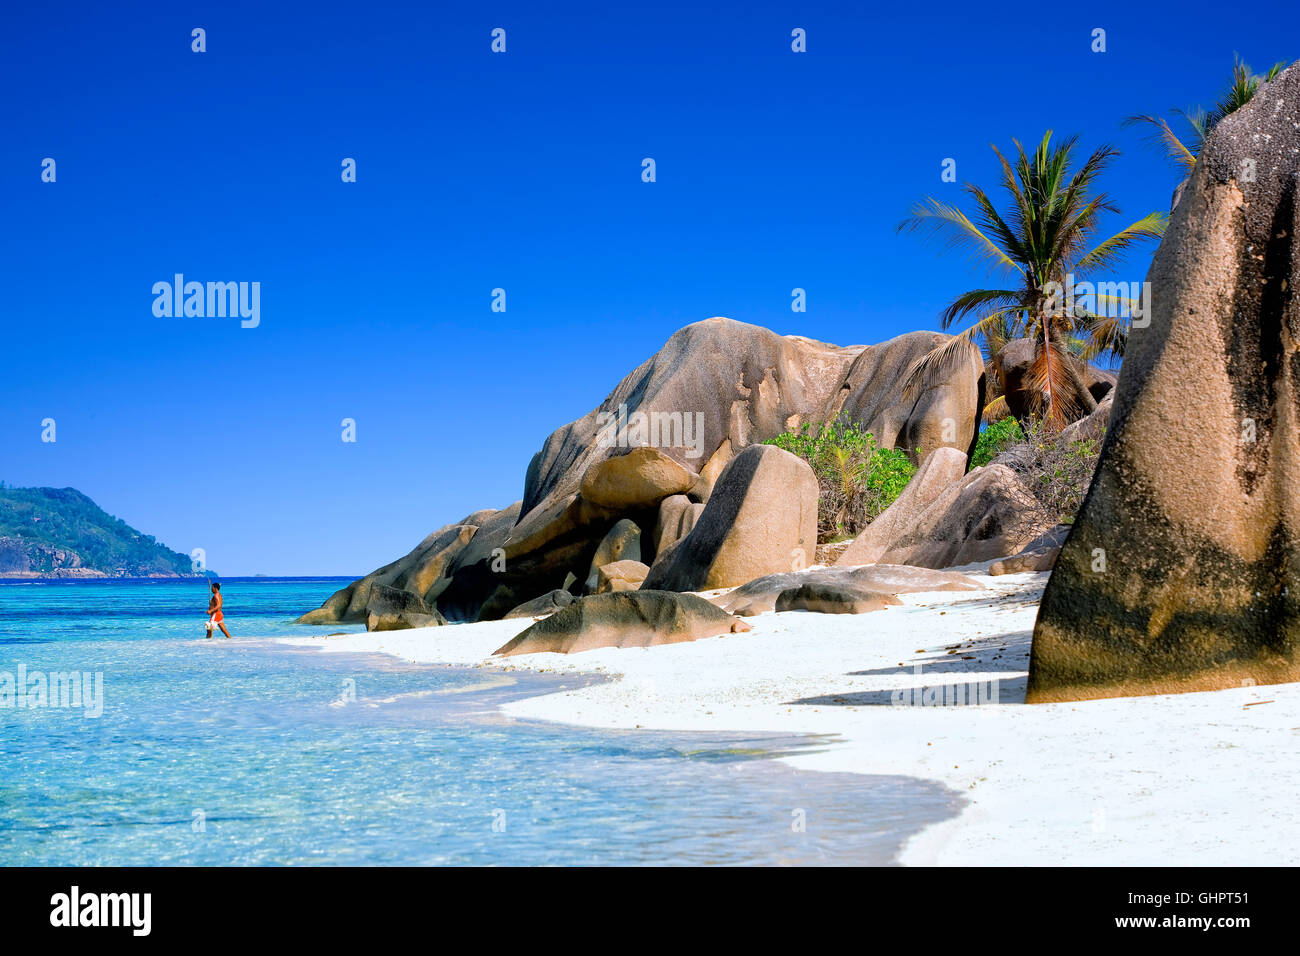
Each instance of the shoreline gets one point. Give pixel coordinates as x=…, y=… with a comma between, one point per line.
x=1181, y=779
x=901, y=807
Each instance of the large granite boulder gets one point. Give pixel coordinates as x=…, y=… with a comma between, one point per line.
x=641, y=478
x=543, y=548
x=393, y=609
x=548, y=603
x=423, y=572
x=941, y=470
x=763, y=594
x=620, y=576
x=761, y=518
x=827, y=598
x=1038, y=555
x=718, y=386
x=713, y=388
x=1091, y=427
x=1182, y=571
x=943, y=414
x=622, y=543
x=624, y=619
x=477, y=571
x=676, y=517
x=989, y=513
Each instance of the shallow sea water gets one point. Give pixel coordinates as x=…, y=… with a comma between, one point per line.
x=247, y=752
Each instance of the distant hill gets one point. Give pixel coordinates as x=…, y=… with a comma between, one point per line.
x=60, y=533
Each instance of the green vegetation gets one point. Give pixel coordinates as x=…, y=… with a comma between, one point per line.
x=44, y=530
x=1057, y=471
x=857, y=479
x=1047, y=231
x=994, y=439
x=1241, y=88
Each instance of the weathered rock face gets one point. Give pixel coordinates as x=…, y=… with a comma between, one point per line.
x=548, y=603
x=761, y=518
x=423, y=572
x=624, y=619
x=763, y=594
x=941, y=470
x=1101, y=382
x=1178, y=193
x=729, y=383
x=19, y=555
x=622, y=543
x=641, y=478
x=988, y=514
x=392, y=609
x=496, y=572
x=620, y=576
x=537, y=555
x=1092, y=426
x=677, y=516
x=749, y=385
x=825, y=598
x=714, y=387
x=1195, y=506
x=1038, y=555
x=944, y=415
x=1017, y=359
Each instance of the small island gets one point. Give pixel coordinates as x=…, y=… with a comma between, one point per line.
x=60, y=533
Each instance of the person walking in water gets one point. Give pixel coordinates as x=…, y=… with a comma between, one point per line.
x=215, y=617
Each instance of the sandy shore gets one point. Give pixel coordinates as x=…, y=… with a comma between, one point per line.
x=1203, y=779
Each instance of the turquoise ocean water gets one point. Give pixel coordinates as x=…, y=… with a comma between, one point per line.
x=246, y=752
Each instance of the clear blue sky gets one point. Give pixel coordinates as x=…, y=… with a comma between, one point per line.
x=475, y=171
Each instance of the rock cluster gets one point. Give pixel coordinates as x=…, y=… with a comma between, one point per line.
x=674, y=461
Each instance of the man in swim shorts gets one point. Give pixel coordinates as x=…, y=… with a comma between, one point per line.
x=215, y=617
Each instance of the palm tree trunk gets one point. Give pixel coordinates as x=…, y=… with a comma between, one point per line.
x=1047, y=357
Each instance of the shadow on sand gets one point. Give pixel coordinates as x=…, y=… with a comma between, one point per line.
x=1003, y=658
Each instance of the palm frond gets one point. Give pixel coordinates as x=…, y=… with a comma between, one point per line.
x=1007, y=239
x=981, y=303
x=1112, y=251
x=942, y=361
x=1196, y=119
x=1079, y=208
x=1107, y=333
x=1048, y=376
x=996, y=410
x=1243, y=87
x=1165, y=138
x=1021, y=207
x=942, y=217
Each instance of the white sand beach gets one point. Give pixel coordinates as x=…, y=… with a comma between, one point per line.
x=1191, y=779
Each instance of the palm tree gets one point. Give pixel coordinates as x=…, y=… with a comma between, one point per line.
x=1239, y=91
x=1046, y=234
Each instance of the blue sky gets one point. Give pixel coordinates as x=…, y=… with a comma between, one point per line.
x=476, y=170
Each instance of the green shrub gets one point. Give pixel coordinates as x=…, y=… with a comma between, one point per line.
x=995, y=439
x=1058, y=472
x=857, y=479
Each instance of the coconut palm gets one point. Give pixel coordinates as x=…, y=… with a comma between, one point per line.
x=1048, y=231
x=1239, y=91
